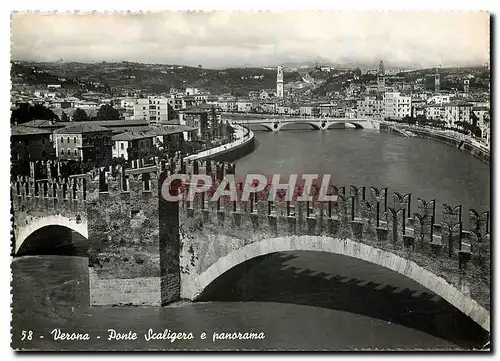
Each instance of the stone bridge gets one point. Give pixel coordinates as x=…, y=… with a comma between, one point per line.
x=276, y=124
x=39, y=203
x=144, y=250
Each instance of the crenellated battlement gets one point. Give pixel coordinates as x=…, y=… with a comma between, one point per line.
x=366, y=215
x=444, y=249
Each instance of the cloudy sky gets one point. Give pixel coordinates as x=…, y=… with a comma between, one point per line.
x=226, y=39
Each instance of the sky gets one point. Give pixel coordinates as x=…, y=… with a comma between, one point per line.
x=238, y=39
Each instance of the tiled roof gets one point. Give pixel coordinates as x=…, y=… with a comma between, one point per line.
x=81, y=128
x=132, y=135
x=172, y=130
x=112, y=123
x=43, y=123
x=24, y=130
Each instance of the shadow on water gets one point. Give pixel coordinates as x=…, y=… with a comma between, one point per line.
x=270, y=279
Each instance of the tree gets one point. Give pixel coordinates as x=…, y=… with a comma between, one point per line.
x=64, y=117
x=80, y=115
x=25, y=112
x=107, y=112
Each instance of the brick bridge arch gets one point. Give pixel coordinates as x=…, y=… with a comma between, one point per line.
x=344, y=247
x=33, y=224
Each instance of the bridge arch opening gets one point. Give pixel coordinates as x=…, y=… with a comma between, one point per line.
x=54, y=240
x=258, y=127
x=299, y=126
x=417, y=302
x=343, y=125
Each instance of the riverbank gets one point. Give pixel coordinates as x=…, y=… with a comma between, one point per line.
x=454, y=139
x=241, y=146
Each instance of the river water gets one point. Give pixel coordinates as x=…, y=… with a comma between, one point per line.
x=299, y=300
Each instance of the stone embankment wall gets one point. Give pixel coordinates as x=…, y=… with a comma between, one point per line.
x=241, y=146
x=444, y=137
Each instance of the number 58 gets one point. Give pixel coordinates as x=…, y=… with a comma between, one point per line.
x=26, y=335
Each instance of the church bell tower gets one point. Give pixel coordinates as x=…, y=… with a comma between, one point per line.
x=279, y=83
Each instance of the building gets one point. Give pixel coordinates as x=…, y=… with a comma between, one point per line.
x=466, y=86
x=128, y=105
x=264, y=95
x=396, y=106
x=283, y=109
x=439, y=99
x=30, y=144
x=229, y=106
x=133, y=145
x=269, y=108
x=197, y=118
x=85, y=142
x=168, y=139
x=62, y=104
x=244, y=106
x=370, y=107
x=434, y=111
x=327, y=110
x=482, y=116
x=279, y=83
x=175, y=101
x=192, y=91
x=310, y=110
x=457, y=112
x=151, y=108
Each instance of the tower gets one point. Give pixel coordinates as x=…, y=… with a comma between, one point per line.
x=437, y=81
x=381, y=77
x=279, y=82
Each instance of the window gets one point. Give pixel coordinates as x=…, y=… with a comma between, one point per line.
x=75, y=151
x=67, y=140
x=121, y=146
x=62, y=140
x=43, y=141
x=74, y=140
x=62, y=151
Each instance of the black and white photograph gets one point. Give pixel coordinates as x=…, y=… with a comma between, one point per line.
x=250, y=181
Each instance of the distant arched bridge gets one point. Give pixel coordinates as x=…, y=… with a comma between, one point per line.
x=276, y=124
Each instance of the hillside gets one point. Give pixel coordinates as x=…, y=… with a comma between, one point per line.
x=126, y=77
x=452, y=78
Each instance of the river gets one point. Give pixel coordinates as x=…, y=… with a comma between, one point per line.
x=300, y=300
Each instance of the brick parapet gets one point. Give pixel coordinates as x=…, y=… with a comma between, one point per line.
x=458, y=255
